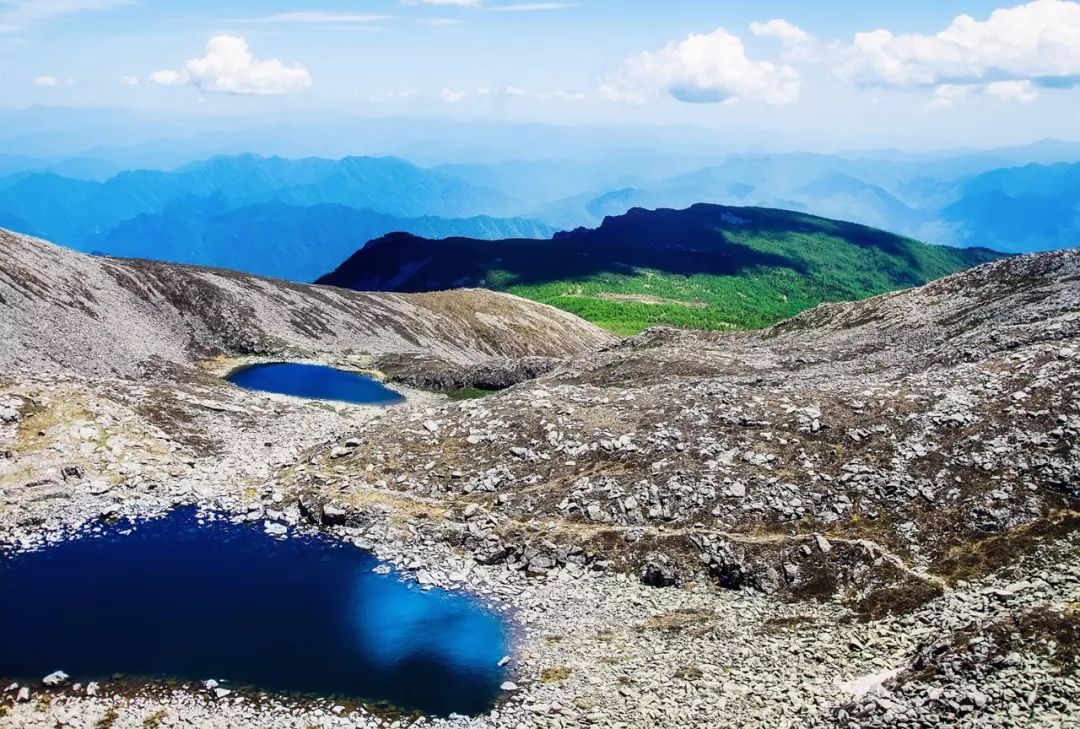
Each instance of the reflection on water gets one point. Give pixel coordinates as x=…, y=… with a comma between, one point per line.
x=224, y=601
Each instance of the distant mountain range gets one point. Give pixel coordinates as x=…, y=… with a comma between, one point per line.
x=287, y=218
x=277, y=239
x=1012, y=209
x=709, y=266
x=297, y=218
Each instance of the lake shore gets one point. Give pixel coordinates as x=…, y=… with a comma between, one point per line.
x=594, y=647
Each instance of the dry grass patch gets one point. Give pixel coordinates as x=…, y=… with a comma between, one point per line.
x=555, y=674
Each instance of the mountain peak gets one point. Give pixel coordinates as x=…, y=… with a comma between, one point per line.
x=708, y=266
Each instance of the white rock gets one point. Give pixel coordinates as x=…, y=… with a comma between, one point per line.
x=823, y=544
x=55, y=678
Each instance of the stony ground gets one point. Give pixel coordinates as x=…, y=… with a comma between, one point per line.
x=863, y=517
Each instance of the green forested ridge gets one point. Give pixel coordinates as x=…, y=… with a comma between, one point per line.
x=706, y=267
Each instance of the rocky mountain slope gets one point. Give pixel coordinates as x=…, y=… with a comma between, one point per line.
x=62, y=310
x=915, y=424
x=865, y=515
x=706, y=267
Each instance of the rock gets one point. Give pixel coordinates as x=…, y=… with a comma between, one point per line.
x=431, y=426
x=492, y=556
x=23, y=695
x=508, y=686
x=737, y=489
x=823, y=544
x=55, y=678
x=541, y=563
x=503, y=661
x=100, y=486
x=334, y=515
x=92, y=688
x=275, y=529
x=221, y=692
x=656, y=574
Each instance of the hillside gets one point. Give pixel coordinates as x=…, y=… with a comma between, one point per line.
x=70, y=311
x=755, y=524
x=706, y=267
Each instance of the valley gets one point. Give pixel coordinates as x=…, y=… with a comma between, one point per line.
x=767, y=525
x=489, y=364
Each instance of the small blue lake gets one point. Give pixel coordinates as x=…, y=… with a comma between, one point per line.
x=315, y=382
x=303, y=615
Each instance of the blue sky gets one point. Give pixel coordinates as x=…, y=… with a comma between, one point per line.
x=803, y=69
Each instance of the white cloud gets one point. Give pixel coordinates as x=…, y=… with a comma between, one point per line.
x=798, y=44
x=780, y=29
x=947, y=95
x=129, y=80
x=441, y=22
x=168, y=77
x=513, y=91
x=451, y=96
x=1021, y=91
x=703, y=68
x=46, y=81
x=230, y=67
x=1038, y=42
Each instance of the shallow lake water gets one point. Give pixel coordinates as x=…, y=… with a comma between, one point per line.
x=178, y=599
x=316, y=382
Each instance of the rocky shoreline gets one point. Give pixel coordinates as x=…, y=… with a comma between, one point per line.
x=865, y=516
x=597, y=649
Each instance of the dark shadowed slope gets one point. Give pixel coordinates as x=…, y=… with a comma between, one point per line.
x=709, y=266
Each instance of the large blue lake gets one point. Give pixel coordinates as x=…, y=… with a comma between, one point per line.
x=316, y=382
x=179, y=599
